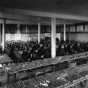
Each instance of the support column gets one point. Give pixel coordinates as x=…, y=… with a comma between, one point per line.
x=18, y=28
x=39, y=28
x=26, y=35
x=18, y=35
x=3, y=34
x=64, y=32
x=26, y=29
x=53, y=37
x=0, y=35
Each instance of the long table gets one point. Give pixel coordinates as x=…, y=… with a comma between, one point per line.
x=46, y=62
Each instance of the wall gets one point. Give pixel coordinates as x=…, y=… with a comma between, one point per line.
x=71, y=36
x=22, y=37
x=78, y=36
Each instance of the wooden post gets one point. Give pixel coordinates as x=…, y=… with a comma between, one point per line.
x=18, y=35
x=18, y=28
x=0, y=35
x=26, y=35
x=3, y=34
x=53, y=37
x=26, y=29
x=64, y=32
x=39, y=28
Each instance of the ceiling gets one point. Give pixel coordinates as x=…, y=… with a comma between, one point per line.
x=70, y=7
x=77, y=7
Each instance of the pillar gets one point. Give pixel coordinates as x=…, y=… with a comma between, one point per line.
x=26, y=35
x=18, y=28
x=26, y=29
x=39, y=32
x=3, y=34
x=53, y=37
x=64, y=32
x=0, y=34
x=18, y=34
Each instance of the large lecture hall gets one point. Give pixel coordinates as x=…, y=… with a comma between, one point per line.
x=43, y=43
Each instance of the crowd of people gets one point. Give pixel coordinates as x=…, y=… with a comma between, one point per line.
x=32, y=50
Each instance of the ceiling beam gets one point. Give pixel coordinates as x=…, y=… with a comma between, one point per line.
x=46, y=14
x=16, y=18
